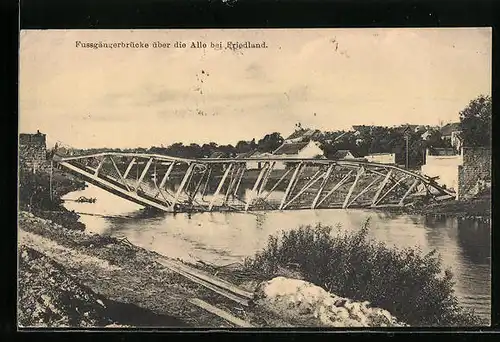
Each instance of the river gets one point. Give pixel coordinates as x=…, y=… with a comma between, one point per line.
x=223, y=238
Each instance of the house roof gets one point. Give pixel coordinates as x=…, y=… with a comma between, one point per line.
x=245, y=155
x=442, y=152
x=218, y=155
x=290, y=148
x=381, y=154
x=304, y=134
x=450, y=128
x=341, y=154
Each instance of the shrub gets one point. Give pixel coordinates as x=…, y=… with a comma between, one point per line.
x=409, y=284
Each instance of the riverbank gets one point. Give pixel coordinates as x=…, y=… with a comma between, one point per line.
x=71, y=278
x=479, y=207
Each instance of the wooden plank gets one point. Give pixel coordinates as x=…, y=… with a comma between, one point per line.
x=221, y=313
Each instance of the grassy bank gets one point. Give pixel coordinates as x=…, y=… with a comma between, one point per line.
x=409, y=284
x=35, y=196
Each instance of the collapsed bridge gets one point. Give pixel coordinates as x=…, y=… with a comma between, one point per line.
x=174, y=184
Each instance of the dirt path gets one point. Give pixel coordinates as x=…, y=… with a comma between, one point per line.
x=126, y=274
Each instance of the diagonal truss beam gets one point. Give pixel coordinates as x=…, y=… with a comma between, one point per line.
x=266, y=178
x=256, y=184
x=101, y=163
x=129, y=168
x=338, y=185
x=165, y=178
x=243, y=169
x=410, y=189
x=311, y=182
x=181, y=186
x=353, y=186
x=382, y=186
x=278, y=183
x=368, y=187
x=322, y=186
x=143, y=174
x=219, y=187
x=290, y=185
x=390, y=189
x=119, y=173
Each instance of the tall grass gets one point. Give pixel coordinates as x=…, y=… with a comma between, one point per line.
x=406, y=282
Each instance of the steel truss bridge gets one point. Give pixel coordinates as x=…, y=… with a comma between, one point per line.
x=173, y=184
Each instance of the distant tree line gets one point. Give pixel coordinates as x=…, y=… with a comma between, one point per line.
x=475, y=122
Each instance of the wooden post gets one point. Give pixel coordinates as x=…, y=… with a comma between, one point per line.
x=181, y=186
x=322, y=186
x=351, y=189
x=256, y=184
x=119, y=174
x=415, y=183
x=143, y=174
x=290, y=184
x=382, y=186
x=221, y=183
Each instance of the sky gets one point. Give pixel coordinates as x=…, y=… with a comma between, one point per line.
x=326, y=79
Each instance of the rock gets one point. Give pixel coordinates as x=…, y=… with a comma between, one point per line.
x=305, y=302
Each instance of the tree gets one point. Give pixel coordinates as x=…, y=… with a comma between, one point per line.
x=475, y=122
x=270, y=142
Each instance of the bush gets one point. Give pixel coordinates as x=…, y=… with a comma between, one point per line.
x=409, y=284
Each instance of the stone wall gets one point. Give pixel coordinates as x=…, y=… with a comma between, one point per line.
x=32, y=151
x=475, y=173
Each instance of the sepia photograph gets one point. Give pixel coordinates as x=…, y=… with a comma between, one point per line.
x=254, y=178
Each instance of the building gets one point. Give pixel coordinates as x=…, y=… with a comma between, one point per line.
x=382, y=158
x=451, y=132
x=290, y=150
x=32, y=151
x=250, y=165
x=303, y=134
x=474, y=175
x=343, y=154
x=443, y=163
